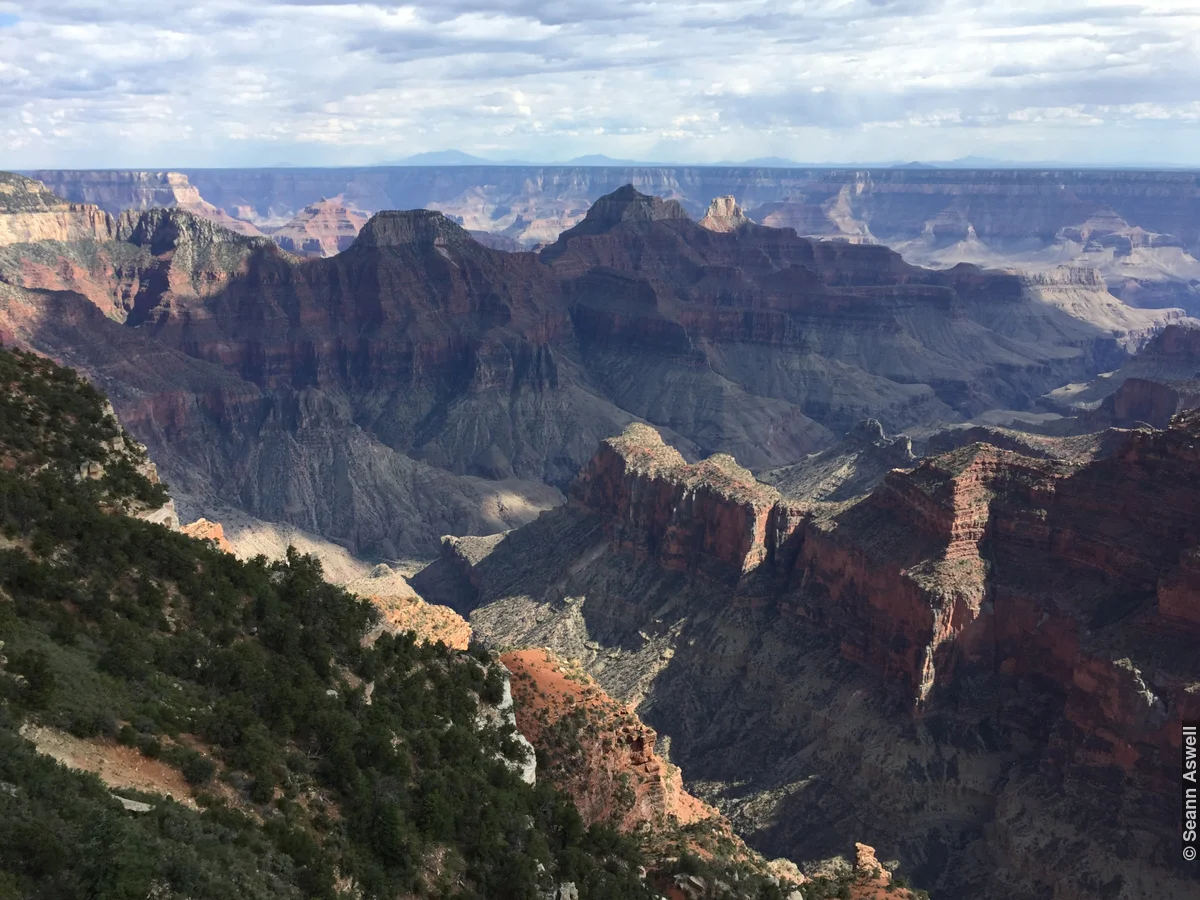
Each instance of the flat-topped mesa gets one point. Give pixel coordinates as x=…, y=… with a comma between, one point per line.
x=724, y=215
x=711, y=518
x=30, y=212
x=1106, y=229
x=412, y=227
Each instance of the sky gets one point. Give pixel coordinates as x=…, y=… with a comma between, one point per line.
x=190, y=83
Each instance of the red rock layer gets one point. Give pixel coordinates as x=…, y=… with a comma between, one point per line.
x=977, y=563
x=504, y=365
x=712, y=516
x=204, y=530
x=597, y=749
x=325, y=228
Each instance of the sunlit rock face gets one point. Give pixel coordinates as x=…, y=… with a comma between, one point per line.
x=419, y=383
x=964, y=648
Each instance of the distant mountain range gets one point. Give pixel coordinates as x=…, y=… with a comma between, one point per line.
x=460, y=158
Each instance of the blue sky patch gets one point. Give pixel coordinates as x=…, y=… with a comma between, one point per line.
x=8, y=20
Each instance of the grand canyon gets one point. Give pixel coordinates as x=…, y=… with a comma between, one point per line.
x=599, y=451
x=841, y=519
x=1137, y=229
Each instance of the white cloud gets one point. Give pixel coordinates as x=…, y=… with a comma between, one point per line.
x=226, y=82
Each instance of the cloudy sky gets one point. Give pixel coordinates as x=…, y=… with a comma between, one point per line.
x=115, y=83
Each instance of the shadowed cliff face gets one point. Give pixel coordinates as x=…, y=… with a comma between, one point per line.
x=1000, y=205
x=420, y=383
x=1140, y=230
x=1161, y=380
x=957, y=659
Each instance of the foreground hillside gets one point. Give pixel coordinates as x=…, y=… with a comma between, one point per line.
x=419, y=383
x=310, y=755
x=979, y=665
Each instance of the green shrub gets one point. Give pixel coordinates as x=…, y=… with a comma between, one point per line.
x=257, y=666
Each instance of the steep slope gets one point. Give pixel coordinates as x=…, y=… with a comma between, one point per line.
x=29, y=212
x=1138, y=228
x=138, y=262
x=770, y=313
x=596, y=749
x=723, y=214
x=599, y=752
x=1008, y=208
x=956, y=659
x=419, y=383
x=116, y=192
x=1158, y=382
x=222, y=438
x=850, y=469
x=349, y=760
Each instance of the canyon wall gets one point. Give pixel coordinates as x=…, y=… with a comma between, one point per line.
x=1139, y=229
x=419, y=383
x=1002, y=204
x=959, y=657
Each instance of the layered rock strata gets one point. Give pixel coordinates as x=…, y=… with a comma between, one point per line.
x=959, y=656
x=419, y=383
x=324, y=228
x=1138, y=229
x=723, y=214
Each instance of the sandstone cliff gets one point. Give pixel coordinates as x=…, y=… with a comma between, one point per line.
x=116, y=192
x=1140, y=229
x=712, y=515
x=723, y=214
x=30, y=212
x=1004, y=205
x=418, y=365
x=204, y=530
x=1171, y=359
x=325, y=228
x=596, y=749
x=604, y=758
x=959, y=656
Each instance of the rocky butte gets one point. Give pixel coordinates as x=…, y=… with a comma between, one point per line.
x=956, y=658
x=324, y=228
x=724, y=214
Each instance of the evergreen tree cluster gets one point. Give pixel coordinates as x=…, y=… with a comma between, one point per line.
x=251, y=678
